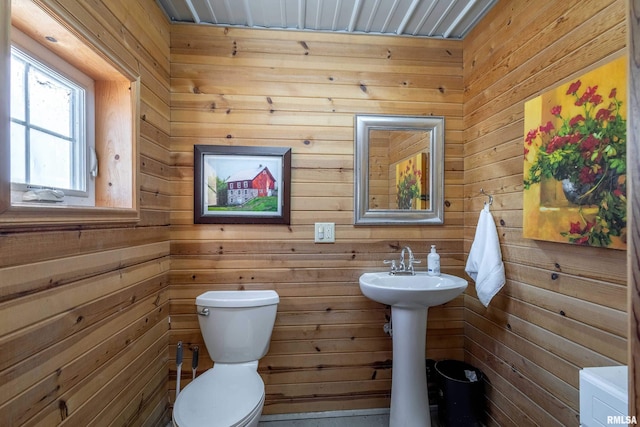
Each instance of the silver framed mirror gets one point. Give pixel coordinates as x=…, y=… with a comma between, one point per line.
x=399, y=170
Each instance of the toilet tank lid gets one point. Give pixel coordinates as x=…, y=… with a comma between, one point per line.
x=237, y=298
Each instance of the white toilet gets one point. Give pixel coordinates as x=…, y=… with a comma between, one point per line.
x=236, y=326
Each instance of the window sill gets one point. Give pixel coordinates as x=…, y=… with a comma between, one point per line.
x=46, y=215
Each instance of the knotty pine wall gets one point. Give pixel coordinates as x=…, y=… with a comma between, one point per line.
x=563, y=307
x=84, y=328
x=301, y=90
x=633, y=256
x=84, y=311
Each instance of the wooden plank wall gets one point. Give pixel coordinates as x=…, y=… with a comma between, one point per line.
x=380, y=196
x=84, y=336
x=633, y=255
x=84, y=312
x=302, y=90
x=563, y=307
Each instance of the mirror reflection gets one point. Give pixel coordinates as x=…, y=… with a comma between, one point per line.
x=399, y=170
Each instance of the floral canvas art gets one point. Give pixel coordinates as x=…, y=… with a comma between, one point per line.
x=575, y=188
x=411, y=185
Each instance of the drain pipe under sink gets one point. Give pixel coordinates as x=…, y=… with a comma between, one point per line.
x=179, y=367
x=388, y=329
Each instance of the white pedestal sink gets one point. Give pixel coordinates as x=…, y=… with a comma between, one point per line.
x=410, y=296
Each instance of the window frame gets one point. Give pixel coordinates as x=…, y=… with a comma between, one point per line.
x=52, y=63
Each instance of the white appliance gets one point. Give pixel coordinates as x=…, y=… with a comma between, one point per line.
x=604, y=397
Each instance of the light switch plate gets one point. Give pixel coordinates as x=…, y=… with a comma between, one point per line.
x=325, y=232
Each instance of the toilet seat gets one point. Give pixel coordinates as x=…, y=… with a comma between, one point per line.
x=224, y=396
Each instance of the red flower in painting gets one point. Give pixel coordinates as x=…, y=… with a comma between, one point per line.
x=581, y=234
x=582, y=241
x=556, y=143
x=576, y=119
x=531, y=135
x=587, y=176
x=589, y=144
x=547, y=128
x=587, y=96
x=573, y=87
x=557, y=110
x=575, y=228
x=596, y=99
x=603, y=114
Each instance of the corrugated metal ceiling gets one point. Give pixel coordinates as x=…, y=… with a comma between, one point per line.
x=451, y=19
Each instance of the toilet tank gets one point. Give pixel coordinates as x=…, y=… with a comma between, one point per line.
x=237, y=325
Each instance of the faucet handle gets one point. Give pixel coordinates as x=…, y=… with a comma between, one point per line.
x=412, y=262
x=393, y=264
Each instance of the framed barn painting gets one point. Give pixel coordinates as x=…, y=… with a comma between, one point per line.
x=241, y=185
x=575, y=170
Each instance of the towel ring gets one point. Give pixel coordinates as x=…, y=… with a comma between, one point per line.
x=488, y=195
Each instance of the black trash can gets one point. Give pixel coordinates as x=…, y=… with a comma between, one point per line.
x=461, y=401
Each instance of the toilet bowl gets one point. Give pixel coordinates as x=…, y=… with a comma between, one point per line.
x=224, y=396
x=236, y=327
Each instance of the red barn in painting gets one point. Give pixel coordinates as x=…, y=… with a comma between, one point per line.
x=249, y=184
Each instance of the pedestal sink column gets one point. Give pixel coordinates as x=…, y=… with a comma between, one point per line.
x=409, y=395
x=409, y=296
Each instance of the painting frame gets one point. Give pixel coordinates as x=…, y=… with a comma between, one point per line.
x=241, y=185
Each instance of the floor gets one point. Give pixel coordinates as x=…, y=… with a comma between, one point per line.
x=365, y=418
x=371, y=418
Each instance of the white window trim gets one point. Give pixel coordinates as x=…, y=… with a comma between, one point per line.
x=68, y=71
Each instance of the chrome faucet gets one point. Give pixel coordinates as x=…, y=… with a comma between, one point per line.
x=403, y=267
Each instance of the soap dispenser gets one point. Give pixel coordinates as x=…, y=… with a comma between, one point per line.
x=433, y=262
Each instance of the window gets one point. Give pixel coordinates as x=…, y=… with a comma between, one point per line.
x=102, y=93
x=51, y=124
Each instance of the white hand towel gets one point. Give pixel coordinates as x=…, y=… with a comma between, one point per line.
x=484, y=264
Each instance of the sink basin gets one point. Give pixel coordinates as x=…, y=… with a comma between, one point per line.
x=416, y=291
x=410, y=298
